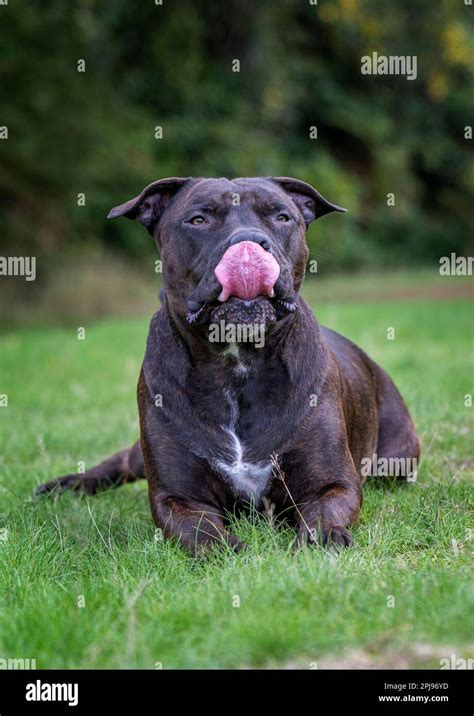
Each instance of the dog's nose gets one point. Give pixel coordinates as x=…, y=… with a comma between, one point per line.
x=254, y=235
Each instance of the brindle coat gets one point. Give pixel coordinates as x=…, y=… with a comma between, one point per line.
x=222, y=426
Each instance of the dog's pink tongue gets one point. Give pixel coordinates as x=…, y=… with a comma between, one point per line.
x=246, y=271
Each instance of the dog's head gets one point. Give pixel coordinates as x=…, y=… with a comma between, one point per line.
x=232, y=250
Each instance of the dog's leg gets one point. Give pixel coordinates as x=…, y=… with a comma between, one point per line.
x=322, y=482
x=325, y=519
x=196, y=525
x=397, y=437
x=119, y=469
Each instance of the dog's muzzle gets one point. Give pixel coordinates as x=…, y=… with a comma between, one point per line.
x=248, y=284
x=246, y=271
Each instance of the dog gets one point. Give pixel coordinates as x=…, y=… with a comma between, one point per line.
x=227, y=424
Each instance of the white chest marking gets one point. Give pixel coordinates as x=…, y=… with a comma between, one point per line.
x=233, y=352
x=248, y=480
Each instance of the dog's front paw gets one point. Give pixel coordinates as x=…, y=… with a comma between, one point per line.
x=235, y=543
x=335, y=537
x=204, y=547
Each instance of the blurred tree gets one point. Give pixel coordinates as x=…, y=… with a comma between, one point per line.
x=170, y=65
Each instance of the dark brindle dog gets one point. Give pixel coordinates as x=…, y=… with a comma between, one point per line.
x=221, y=422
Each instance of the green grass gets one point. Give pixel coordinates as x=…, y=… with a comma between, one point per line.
x=146, y=601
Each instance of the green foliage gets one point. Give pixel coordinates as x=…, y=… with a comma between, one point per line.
x=171, y=65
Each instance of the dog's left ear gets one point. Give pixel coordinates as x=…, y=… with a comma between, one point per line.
x=310, y=202
x=149, y=206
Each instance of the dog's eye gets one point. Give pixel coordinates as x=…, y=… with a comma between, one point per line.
x=196, y=220
x=283, y=217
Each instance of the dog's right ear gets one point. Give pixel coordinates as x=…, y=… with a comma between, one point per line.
x=149, y=206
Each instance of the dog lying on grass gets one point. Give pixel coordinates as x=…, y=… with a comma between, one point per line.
x=286, y=420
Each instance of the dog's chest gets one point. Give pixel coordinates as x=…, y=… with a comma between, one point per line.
x=248, y=477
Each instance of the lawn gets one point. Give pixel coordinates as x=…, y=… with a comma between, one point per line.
x=87, y=583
